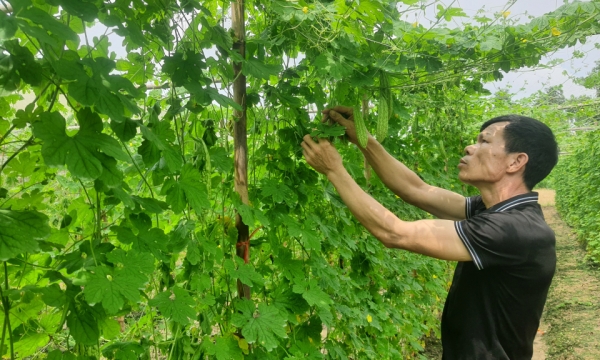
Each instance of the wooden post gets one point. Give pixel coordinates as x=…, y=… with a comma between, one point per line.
x=240, y=142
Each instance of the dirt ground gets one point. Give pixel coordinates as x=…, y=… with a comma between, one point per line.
x=571, y=321
x=570, y=327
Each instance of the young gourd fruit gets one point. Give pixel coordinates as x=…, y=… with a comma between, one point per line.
x=361, y=128
x=383, y=116
x=385, y=107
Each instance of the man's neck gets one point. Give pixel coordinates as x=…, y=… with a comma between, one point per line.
x=497, y=193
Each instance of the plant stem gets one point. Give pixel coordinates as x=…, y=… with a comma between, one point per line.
x=174, y=342
x=6, y=306
x=3, y=326
x=10, y=129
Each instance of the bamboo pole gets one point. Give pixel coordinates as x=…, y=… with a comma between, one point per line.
x=240, y=141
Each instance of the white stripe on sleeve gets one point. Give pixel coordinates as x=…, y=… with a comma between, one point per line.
x=465, y=240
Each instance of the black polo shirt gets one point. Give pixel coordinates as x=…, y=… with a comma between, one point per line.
x=495, y=302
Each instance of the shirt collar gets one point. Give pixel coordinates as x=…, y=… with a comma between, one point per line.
x=508, y=204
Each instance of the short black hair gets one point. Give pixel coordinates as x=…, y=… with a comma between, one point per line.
x=532, y=137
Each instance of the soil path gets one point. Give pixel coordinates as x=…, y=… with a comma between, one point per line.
x=570, y=326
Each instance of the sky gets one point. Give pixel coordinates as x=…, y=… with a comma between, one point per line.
x=521, y=83
x=525, y=82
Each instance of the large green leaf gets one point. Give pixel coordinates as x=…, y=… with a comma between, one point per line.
x=112, y=286
x=260, y=70
x=49, y=23
x=80, y=152
x=176, y=305
x=188, y=188
x=20, y=232
x=262, y=327
x=157, y=140
x=8, y=26
x=18, y=65
x=82, y=324
x=313, y=294
x=29, y=344
x=80, y=8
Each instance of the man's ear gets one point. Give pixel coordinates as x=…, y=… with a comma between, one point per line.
x=518, y=162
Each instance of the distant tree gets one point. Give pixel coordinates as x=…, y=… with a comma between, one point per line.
x=555, y=95
x=592, y=80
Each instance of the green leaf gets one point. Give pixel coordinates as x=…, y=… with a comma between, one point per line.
x=110, y=104
x=29, y=344
x=82, y=324
x=80, y=8
x=79, y=152
x=313, y=295
x=20, y=231
x=150, y=205
x=491, y=43
x=176, y=305
x=112, y=286
x=123, y=350
x=18, y=65
x=125, y=130
x=278, y=191
x=158, y=138
x=8, y=26
x=85, y=91
x=175, y=195
x=100, y=288
x=219, y=159
x=223, y=348
x=189, y=188
x=111, y=175
x=181, y=236
x=310, y=238
x=258, y=69
x=53, y=296
x=49, y=23
x=135, y=266
x=261, y=327
x=244, y=272
x=148, y=240
x=222, y=99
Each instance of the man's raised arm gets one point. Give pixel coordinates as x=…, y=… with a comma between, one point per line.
x=400, y=179
x=435, y=238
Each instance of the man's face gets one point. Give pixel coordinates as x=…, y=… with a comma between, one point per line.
x=485, y=161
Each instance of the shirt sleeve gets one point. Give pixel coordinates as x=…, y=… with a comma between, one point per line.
x=473, y=205
x=492, y=240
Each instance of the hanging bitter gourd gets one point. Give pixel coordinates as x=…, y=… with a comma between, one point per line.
x=384, y=108
x=361, y=128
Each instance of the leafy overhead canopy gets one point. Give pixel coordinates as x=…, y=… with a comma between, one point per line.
x=123, y=189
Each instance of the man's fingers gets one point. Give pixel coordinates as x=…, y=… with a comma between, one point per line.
x=305, y=146
x=337, y=117
x=309, y=141
x=344, y=110
x=323, y=141
x=338, y=114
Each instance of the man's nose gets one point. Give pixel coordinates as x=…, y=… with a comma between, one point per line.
x=469, y=149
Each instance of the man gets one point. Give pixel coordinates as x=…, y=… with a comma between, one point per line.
x=504, y=248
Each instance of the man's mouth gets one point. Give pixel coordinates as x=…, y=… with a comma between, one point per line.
x=462, y=161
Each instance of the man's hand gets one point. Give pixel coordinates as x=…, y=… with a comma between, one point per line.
x=344, y=116
x=322, y=156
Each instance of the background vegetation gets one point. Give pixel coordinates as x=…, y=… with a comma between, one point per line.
x=127, y=228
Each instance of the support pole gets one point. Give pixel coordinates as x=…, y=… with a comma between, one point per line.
x=240, y=141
